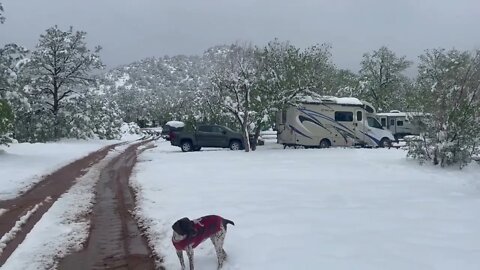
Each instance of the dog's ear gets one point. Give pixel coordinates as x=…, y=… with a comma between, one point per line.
x=189, y=227
x=179, y=226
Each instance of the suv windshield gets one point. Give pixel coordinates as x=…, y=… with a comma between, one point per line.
x=372, y=122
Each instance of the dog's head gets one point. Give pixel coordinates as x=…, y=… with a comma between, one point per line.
x=184, y=226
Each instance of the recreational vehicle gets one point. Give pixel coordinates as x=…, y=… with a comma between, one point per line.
x=330, y=121
x=401, y=124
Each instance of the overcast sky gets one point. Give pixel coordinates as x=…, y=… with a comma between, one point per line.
x=130, y=30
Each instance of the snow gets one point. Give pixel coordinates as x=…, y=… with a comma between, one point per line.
x=10, y=235
x=23, y=164
x=175, y=124
x=326, y=99
x=314, y=209
x=403, y=114
x=63, y=228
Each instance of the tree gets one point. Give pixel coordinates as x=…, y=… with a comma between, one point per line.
x=449, y=91
x=60, y=67
x=286, y=72
x=12, y=59
x=6, y=119
x=2, y=18
x=233, y=80
x=382, y=80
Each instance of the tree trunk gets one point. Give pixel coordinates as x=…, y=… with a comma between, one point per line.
x=258, y=128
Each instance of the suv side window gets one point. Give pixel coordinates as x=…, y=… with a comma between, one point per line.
x=217, y=129
x=205, y=129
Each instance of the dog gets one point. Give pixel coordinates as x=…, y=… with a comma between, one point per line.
x=188, y=234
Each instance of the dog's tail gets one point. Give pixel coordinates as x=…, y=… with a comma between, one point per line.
x=227, y=221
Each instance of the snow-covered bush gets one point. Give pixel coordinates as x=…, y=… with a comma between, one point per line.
x=449, y=89
x=6, y=118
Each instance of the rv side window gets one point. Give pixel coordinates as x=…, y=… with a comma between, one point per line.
x=344, y=116
x=392, y=122
x=383, y=121
x=359, y=116
x=400, y=123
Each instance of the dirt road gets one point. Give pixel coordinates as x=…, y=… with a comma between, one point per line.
x=115, y=240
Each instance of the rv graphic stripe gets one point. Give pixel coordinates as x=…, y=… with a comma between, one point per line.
x=299, y=132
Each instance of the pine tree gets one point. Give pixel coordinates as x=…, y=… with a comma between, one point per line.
x=2, y=18
x=59, y=67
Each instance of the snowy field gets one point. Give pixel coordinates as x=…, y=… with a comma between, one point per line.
x=314, y=209
x=23, y=164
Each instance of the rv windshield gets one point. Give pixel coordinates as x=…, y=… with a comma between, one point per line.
x=372, y=122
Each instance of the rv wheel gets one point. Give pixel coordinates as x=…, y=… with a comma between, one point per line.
x=325, y=143
x=385, y=142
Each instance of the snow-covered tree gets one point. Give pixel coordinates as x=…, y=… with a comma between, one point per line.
x=59, y=67
x=2, y=18
x=6, y=120
x=382, y=80
x=284, y=73
x=449, y=91
x=233, y=80
x=12, y=59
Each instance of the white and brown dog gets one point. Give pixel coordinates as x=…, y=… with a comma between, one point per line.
x=188, y=234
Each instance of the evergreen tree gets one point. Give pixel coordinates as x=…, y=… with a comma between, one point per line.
x=12, y=59
x=2, y=18
x=59, y=68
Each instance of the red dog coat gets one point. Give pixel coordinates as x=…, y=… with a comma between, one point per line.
x=205, y=227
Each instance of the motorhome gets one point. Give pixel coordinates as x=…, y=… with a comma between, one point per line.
x=330, y=121
x=401, y=124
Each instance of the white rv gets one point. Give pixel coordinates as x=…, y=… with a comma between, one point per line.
x=330, y=121
x=401, y=124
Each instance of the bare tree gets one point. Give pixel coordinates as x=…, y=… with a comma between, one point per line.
x=382, y=78
x=233, y=80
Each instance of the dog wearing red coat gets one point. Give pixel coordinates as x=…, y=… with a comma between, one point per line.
x=188, y=234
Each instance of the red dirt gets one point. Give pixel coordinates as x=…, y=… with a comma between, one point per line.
x=53, y=186
x=115, y=240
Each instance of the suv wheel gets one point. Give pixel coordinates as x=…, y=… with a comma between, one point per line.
x=187, y=146
x=235, y=145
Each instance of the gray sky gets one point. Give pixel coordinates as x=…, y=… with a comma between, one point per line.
x=129, y=30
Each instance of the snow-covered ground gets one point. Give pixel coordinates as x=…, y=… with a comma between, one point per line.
x=314, y=209
x=23, y=164
x=63, y=228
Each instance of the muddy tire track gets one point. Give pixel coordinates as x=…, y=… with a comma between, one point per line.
x=42, y=195
x=115, y=240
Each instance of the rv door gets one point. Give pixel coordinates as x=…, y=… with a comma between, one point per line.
x=360, y=125
x=280, y=120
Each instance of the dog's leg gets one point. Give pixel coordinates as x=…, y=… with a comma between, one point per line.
x=217, y=241
x=180, y=257
x=190, y=256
